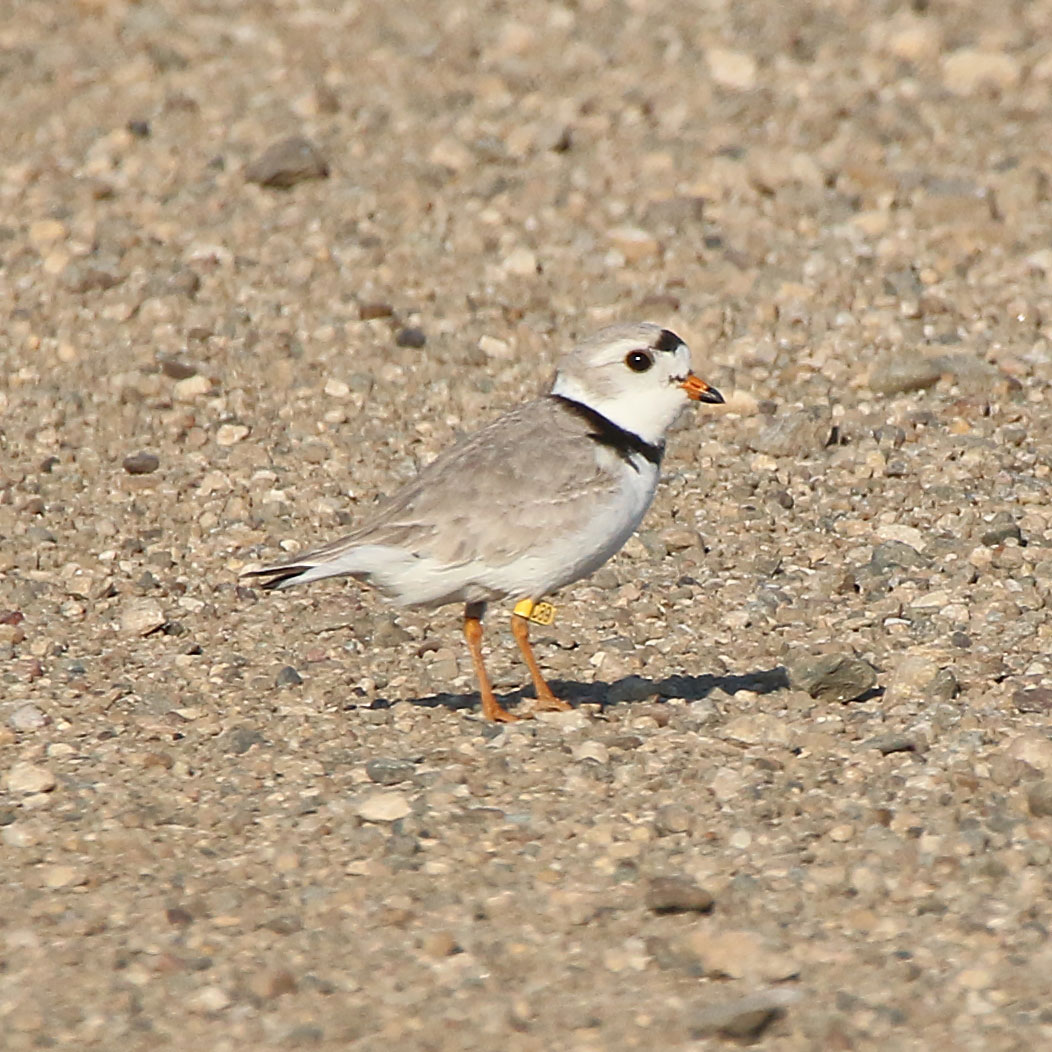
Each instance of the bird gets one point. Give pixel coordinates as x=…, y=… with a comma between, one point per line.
x=538, y=498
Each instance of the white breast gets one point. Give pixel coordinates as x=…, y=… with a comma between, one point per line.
x=557, y=560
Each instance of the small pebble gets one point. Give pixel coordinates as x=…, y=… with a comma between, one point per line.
x=384, y=807
x=677, y=895
x=742, y=1018
x=388, y=771
x=288, y=677
x=28, y=718
x=411, y=338
x=29, y=778
x=140, y=617
x=1039, y=800
x=141, y=463
x=287, y=162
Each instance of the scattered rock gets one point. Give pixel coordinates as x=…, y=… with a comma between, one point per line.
x=209, y=999
x=61, y=876
x=288, y=677
x=889, y=743
x=742, y=1018
x=439, y=944
x=1034, y=748
x=81, y=276
x=271, y=984
x=411, y=337
x=521, y=262
x=730, y=954
x=677, y=895
x=29, y=778
x=1033, y=699
x=141, y=463
x=238, y=740
x=385, y=770
x=896, y=555
x=756, y=728
x=916, y=676
x=731, y=69
x=591, y=750
x=1039, y=800
x=27, y=718
x=1005, y=531
x=140, y=617
x=832, y=677
x=673, y=818
x=970, y=70
x=794, y=434
x=191, y=388
x=231, y=434
x=287, y=162
x=390, y=634
x=634, y=244
x=901, y=372
x=384, y=807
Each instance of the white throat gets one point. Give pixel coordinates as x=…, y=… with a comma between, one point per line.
x=648, y=414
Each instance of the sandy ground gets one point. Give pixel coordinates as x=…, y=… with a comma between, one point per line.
x=805, y=796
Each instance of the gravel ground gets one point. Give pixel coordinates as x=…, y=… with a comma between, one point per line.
x=260, y=262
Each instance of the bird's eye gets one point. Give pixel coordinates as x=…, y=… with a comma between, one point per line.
x=638, y=361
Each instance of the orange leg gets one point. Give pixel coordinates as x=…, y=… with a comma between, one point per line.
x=491, y=708
x=546, y=700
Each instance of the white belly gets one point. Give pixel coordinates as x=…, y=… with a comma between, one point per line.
x=549, y=560
x=558, y=560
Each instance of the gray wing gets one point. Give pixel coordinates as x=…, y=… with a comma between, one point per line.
x=531, y=470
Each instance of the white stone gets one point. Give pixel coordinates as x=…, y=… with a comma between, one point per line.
x=384, y=807
x=141, y=617
x=521, y=262
x=633, y=243
x=494, y=348
x=591, y=750
x=970, y=70
x=231, y=434
x=29, y=778
x=209, y=999
x=731, y=69
x=893, y=531
x=192, y=388
x=62, y=876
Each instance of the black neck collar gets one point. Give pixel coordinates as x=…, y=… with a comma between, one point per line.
x=623, y=442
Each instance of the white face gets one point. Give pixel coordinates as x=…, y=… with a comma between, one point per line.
x=634, y=375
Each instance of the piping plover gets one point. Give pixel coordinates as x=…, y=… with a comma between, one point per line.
x=539, y=498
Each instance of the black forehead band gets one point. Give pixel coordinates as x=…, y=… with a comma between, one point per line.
x=667, y=341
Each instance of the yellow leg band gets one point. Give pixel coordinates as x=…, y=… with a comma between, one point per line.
x=538, y=613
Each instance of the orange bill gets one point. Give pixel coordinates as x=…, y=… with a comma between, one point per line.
x=699, y=391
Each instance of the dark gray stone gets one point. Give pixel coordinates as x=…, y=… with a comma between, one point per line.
x=832, y=677
x=287, y=162
x=901, y=372
x=895, y=555
x=795, y=434
x=141, y=463
x=743, y=1018
x=677, y=895
x=386, y=770
x=288, y=677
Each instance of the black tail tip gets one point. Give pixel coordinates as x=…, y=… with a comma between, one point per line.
x=275, y=577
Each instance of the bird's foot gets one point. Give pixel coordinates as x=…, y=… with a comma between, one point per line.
x=496, y=713
x=550, y=703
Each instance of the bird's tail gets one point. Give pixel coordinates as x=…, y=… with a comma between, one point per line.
x=281, y=575
x=334, y=560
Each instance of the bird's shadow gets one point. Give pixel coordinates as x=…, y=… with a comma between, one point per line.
x=623, y=691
